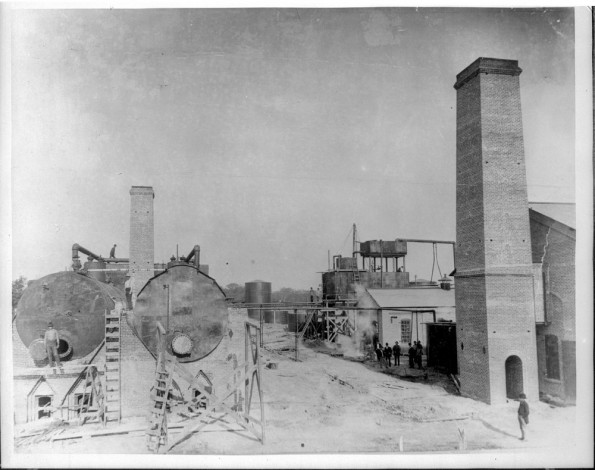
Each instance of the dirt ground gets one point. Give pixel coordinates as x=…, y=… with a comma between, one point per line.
x=326, y=404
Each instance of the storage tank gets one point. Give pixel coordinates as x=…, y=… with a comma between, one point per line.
x=191, y=307
x=75, y=303
x=292, y=318
x=281, y=317
x=258, y=292
x=95, y=269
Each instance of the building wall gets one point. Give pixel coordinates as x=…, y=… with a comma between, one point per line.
x=392, y=325
x=494, y=295
x=554, y=247
x=472, y=337
x=141, y=237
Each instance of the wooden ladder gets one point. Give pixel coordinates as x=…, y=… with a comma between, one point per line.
x=92, y=404
x=355, y=271
x=113, y=372
x=157, y=432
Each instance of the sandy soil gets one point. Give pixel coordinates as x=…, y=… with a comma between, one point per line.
x=326, y=404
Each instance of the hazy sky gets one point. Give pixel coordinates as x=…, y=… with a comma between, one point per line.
x=265, y=133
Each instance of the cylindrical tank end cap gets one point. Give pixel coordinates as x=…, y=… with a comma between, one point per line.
x=181, y=344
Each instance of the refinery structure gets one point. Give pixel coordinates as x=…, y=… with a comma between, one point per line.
x=151, y=340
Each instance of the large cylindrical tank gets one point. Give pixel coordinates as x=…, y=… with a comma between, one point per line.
x=257, y=292
x=189, y=304
x=293, y=318
x=281, y=317
x=74, y=303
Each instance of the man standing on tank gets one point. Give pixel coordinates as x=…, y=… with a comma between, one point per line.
x=112, y=253
x=51, y=341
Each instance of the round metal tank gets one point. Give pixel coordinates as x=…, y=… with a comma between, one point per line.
x=292, y=318
x=281, y=317
x=92, y=266
x=192, y=309
x=74, y=303
x=269, y=316
x=258, y=292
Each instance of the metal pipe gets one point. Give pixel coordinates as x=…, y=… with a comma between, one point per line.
x=354, y=240
x=261, y=325
x=335, y=262
x=75, y=257
x=381, y=267
x=414, y=240
x=75, y=253
x=195, y=253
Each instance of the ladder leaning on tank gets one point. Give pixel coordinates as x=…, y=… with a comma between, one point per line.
x=113, y=372
x=97, y=402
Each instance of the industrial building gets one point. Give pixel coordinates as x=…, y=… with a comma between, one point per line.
x=505, y=323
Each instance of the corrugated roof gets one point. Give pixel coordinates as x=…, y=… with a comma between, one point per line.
x=561, y=212
x=413, y=297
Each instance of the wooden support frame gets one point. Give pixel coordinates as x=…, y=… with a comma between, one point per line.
x=242, y=383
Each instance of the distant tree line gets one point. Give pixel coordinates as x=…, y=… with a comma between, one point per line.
x=285, y=294
x=18, y=286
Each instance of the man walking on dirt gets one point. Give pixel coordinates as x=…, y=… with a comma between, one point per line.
x=51, y=341
x=397, y=353
x=523, y=414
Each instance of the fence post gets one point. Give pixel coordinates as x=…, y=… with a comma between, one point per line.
x=296, y=336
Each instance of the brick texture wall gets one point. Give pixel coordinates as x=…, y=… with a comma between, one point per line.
x=553, y=245
x=494, y=295
x=141, y=237
x=138, y=373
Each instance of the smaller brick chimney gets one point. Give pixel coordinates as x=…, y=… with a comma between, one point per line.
x=142, y=244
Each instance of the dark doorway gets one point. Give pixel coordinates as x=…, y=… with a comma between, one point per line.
x=514, y=377
x=44, y=404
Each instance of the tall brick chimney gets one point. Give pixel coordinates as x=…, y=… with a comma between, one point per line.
x=141, y=237
x=494, y=280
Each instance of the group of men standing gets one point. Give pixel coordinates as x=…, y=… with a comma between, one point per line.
x=415, y=354
x=385, y=354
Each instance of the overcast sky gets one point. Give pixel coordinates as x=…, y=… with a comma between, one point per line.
x=265, y=133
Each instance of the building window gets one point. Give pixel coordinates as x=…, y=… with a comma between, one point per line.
x=44, y=404
x=405, y=331
x=552, y=359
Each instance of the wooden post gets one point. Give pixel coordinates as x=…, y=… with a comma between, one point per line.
x=296, y=336
x=462, y=439
x=401, y=444
x=261, y=328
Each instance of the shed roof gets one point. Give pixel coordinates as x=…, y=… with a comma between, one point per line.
x=428, y=297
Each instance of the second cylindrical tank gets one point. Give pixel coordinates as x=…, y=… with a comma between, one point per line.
x=189, y=305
